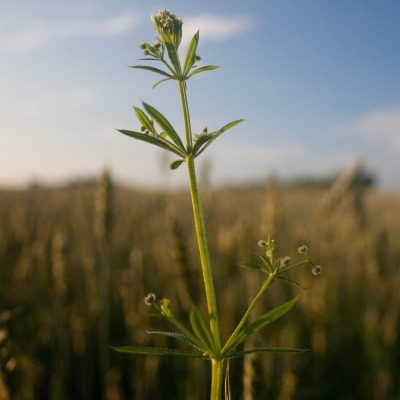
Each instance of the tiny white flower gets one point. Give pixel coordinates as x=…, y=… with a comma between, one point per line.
x=150, y=299
x=316, y=270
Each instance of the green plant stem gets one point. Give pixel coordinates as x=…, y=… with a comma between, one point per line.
x=217, y=365
x=217, y=374
x=267, y=283
x=204, y=254
x=186, y=115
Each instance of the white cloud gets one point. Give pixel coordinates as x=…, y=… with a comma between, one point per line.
x=38, y=34
x=215, y=27
x=381, y=124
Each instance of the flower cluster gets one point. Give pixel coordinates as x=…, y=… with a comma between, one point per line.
x=169, y=26
x=280, y=265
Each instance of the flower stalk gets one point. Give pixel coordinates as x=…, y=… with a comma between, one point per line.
x=204, y=254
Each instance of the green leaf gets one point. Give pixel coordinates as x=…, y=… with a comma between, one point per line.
x=204, y=138
x=264, y=320
x=146, y=59
x=164, y=124
x=176, y=164
x=191, y=54
x=152, y=69
x=173, y=57
x=157, y=351
x=267, y=262
x=230, y=125
x=176, y=335
x=203, y=69
x=266, y=350
x=152, y=140
x=145, y=121
x=293, y=282
x=201, y=329
x=220, y=132
x=250, y=265
x=161, y=81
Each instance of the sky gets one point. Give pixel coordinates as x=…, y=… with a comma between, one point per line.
x=317, y=83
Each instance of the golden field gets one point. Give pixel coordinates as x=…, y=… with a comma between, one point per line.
x=76, y=262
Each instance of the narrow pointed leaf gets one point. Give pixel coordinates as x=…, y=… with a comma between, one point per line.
x=293, y=282
x=267, y=262
x=220, y=132
x=161, y=81
x=157, y=351
x=269, y=317
x=164, y=124
x=203, y=69
x=173, y=56
x=264, y=320
x=201, y=141
x=230, y=125
x=178, y=336
x=152, y=140
x=176, y=164
x=145, y=121
x=266, y=350
x=201, y=328
x=153, y=69
x=191, y=54
x=145, y=59
x=250, y=265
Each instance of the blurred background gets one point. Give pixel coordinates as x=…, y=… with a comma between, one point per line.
x=91, y=221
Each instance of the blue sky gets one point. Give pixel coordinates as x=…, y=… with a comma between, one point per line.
x=317, y=83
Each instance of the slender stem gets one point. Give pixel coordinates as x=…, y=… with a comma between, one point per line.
x=217, y=374
x=199, y=223
x=204, y=254
x=217, y=364
x=186, y=115
x=267, y=283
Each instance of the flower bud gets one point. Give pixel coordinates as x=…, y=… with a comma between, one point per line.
x=262, y=243
x=165, y=305
x=285, y=261
x=150, y=299
x=302, y=249
x=316, y=270
x=169, y=26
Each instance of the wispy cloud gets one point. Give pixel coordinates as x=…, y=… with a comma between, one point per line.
x=215, y=27
x=381, y=124
x=37, y=34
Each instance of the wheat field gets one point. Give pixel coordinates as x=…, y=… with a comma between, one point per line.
x=76, y=262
